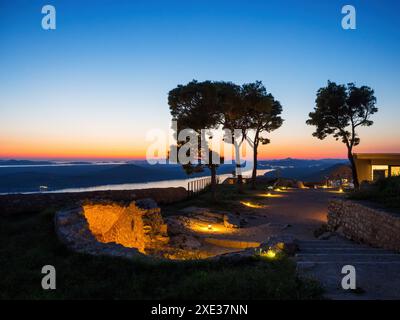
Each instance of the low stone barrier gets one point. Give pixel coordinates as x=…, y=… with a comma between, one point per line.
x=363, y=223
x=19, y=203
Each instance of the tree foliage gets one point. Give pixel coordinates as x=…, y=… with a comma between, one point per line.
x=262, y=115
x=339, y=111
x=195, y=106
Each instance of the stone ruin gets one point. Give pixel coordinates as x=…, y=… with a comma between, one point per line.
x=137, y=229
x=138, y=225
x=113, y=228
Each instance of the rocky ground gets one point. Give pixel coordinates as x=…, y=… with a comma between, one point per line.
x=291, y=212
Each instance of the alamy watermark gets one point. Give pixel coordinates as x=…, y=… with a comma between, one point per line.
x=49, y=280
x=349, y=21
x=349, y=280
x=49, y=19
x=201, y=147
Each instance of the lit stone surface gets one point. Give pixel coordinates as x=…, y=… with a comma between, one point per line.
x=72, y=230
x=112, y=228
x=138, y=225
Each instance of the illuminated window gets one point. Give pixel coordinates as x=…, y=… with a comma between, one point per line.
x=380, y=172
x=395, y=171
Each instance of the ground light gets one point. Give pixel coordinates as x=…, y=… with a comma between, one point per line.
x=269, y=195
x=210, y=228
x=282, y=189
x=252, y=205
x=341, y=191
x=270, y=254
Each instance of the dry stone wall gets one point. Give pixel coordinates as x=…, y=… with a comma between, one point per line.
x=364, y=223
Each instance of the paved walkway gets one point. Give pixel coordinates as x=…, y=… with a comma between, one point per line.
x=298, y=213
x=291, y=212
x=303, y=210
x=377, y=270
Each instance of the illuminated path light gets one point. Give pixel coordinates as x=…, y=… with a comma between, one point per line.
x=210, y=228
x=282, y=189
x=252, y=205
x=340, y=191
x=270, y=254
x=270, y=195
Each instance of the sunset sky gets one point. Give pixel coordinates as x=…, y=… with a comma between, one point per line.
x=93, y=88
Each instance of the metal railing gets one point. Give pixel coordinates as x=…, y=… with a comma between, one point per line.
x=199, y=185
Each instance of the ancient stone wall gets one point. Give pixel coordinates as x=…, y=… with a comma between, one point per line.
x=137, y=225
x=364, y=223
x=19, y=203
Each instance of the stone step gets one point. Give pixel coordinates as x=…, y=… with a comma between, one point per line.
x=347, y=258
x=378, y=280
x=327, y=243
x=345, y=250
x=312, y=264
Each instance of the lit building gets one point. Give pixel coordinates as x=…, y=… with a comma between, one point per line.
x=375, y=166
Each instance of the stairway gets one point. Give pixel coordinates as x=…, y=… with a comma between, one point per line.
x=377, y=270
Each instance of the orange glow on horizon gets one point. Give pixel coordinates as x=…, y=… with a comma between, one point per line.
x=69, y=150
x=84, y=149
x=115, y=148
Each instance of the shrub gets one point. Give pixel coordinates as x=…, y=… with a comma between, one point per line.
x=385, y=191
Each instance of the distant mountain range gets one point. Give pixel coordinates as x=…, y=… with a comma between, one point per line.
x=24, y=163
x=304, y=170
x=17, y=163
x=27, y=175
x=301, y=163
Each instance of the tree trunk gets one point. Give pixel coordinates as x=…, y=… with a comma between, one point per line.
x=354, y=170
x=239, y=175
x=213, y=186
x=255, y=160
x=240, y=179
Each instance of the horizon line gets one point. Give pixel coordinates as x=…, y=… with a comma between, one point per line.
x=144, y=159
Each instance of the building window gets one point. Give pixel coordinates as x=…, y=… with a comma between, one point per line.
x=395, y=171
x=380, y=172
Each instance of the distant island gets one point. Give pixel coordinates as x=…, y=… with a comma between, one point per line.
x=24, y=163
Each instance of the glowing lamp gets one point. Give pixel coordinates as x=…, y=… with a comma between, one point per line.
x=251, y=205
x=270, y=254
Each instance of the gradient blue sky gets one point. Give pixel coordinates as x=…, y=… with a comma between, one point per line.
x=94, y=86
